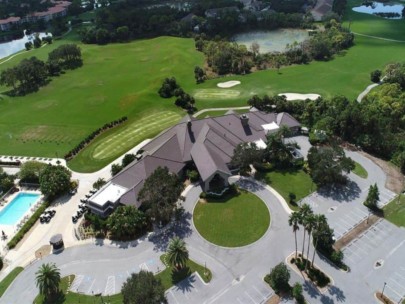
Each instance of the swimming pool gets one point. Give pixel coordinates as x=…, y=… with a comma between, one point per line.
x=15, y=209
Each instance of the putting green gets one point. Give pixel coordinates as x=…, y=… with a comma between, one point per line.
x=216, y=94
x=134, y=132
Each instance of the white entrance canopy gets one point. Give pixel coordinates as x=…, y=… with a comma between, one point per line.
x=110, y=193
x=270, y=127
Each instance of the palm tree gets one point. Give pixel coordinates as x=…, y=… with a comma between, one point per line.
x=47, y=280
x=309, y=225
x=177, y=253
x=304, y=212
x=293, y=221
x=319, y=220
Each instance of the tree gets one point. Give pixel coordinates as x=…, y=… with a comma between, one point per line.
x=128, y=158
x=375, y=76
x=37, y=41
x=324, y=236
x=126, y=222
x=160, y=193
x=47, y=280
x=297, y=293
x=168, y=87
x=304, y=212
x=244, y=155
x=28, y=45
x=143, y=287
x=99, y=183
x=122, y=33
x=199, y=74
x=30, y=171
x=68, y=56
x=373, y=197
x=177, y=253
x=115, y=169
x=255, y=48
x=279, y=277
x=327, y=165
x=54, y=180
x=293, y=221
x=309, y=224
x=277, y=151
x=319, y=222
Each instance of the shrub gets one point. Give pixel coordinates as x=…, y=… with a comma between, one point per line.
x=297, y=293
x=337, y=257
x=27, y=226
x=279, y=277
x=292, y=197
x=203, y=195
x=375, y=76
x=193, y=175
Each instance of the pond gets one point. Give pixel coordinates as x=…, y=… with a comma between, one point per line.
x=272, y=41
x=14, y=46
x=385, y=10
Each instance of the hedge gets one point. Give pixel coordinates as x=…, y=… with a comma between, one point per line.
x=27, y=226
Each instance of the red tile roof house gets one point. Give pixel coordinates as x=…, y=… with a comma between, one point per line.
x=6, y=24
x=209, y=143
x=59, y=10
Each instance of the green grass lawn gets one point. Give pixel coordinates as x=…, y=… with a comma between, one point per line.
x=395, y=212
x=360, y=171
x=6, y=282
x=122, y=80
x=170, y=276
x=233, y=221
x=289, y=181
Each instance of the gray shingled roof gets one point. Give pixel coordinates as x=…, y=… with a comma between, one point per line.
x=209, y=142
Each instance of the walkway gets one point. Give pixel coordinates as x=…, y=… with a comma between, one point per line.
x=368, y=89
x=219, y=109
x=379, y=38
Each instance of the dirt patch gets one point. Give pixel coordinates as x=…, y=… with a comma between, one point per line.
x=383, y=298
x=43, y=251
x=395, y=179
x=356, y=232
x=275, y=299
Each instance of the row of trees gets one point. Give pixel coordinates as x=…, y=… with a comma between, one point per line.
x=225, y=57
x=30, y=74
x=6, y=181
x=142, y=287
x=317, y=227
x=126, y=160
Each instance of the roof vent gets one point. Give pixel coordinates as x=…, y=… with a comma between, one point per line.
x=244, y=118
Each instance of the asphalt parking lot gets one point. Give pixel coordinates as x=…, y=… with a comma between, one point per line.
x=110, y=284
x=377, y=255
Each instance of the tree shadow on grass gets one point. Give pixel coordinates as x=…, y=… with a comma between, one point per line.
x=59, y=298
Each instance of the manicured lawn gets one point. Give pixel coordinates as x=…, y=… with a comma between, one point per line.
x=170, y=276
x=116, y=80
x=395, y=212
x=360, y=171
x=122, y=80
x=9, y=279
x=233, y=221
x=216, y=113
x=289, y=181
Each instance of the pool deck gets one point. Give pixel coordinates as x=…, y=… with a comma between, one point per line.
x=11, y=230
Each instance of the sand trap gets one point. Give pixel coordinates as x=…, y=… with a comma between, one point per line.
x=228, y=84
x=296, y=96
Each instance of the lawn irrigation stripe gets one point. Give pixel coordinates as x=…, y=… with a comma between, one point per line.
x=107, y=148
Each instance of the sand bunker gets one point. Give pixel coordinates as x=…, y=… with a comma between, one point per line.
x=228, y=84
x=296, y=96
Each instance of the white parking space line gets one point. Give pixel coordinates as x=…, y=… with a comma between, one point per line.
x=258, y=291
x=172, y=294
x=76, y=282
x=394, y=291
x=249, y=296
x=143, y=266
x=110, y=286
x=239, y=300
x=90, y=290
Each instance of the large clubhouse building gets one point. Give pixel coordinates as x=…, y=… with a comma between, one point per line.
x=206, y=144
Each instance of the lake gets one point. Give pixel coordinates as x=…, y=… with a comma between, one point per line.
x=272, y=41
x=385, y=10
x=14, y=46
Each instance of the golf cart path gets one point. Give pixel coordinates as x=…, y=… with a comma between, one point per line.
x=379, y=38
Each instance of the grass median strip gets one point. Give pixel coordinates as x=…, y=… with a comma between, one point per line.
x=6, y=282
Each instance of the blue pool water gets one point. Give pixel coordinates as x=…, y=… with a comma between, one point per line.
x=15, y=209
